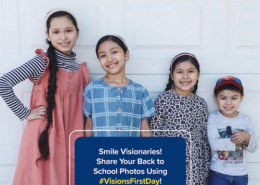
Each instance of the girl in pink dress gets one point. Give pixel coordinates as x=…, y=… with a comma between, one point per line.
x=55, y=106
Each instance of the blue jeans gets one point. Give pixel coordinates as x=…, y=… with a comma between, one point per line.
x=216, y=178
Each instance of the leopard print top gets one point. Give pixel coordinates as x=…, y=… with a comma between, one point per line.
x=188, y=114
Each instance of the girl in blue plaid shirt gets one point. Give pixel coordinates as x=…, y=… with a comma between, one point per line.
x=114, y=105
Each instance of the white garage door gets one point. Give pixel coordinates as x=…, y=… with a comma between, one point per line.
x=223, y=34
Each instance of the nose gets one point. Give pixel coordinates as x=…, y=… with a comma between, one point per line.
x=109, y=58
x=185, y=74
x=63, y=36
x=228, y=101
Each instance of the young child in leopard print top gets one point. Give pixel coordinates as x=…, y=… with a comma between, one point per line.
x=179, y=108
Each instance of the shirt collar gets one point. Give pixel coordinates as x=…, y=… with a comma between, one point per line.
x=61, y=57
x=128, y=86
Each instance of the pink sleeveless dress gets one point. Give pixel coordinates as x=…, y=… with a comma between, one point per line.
x=67, y=117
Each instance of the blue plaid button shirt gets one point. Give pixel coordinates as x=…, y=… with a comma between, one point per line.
x=116, y=108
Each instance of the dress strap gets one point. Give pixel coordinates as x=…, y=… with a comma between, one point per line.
x=40, y=51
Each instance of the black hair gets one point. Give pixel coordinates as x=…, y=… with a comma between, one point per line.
x=43, y=142
x=177, y=61
x=230, y=87
x=115, y=39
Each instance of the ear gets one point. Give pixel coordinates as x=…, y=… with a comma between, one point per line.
x=77, y=34
x=242, y=97
x=198, y=75
x=48, y=36
x=215, y=98
x=171, y=75
x=127, y=55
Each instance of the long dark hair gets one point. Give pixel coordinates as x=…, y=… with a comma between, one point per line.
x=43, y=142
x=115, y=38
x=182, y=57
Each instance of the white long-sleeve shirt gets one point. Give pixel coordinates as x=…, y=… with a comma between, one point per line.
x=226, y=157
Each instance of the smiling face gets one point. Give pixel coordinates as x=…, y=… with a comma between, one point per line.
x=62, y=34
x=184, y=76
x=228, y=102
x=112, y=57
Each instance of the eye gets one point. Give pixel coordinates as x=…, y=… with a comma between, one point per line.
x=69, y=30
x=222, y=98
x=102, y=56
x=179, y=71
x=114, y=52
x=234, y=98
x=55, y=32
x=191, y=71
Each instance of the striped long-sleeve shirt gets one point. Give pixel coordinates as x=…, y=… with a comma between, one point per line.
x=33, y=68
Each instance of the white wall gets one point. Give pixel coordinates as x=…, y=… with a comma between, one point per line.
x=223, y=34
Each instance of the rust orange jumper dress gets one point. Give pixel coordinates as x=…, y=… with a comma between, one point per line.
x=67, y=117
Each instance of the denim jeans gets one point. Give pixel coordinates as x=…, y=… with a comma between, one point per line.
x=216, y=178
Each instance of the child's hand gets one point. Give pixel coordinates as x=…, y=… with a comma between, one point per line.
x=37, y=113
x=145, y=130
x=240, y=137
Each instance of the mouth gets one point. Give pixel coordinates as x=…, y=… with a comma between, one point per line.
x=185, y=83
x=64, y=44
x=228, y=108
x=112, y=65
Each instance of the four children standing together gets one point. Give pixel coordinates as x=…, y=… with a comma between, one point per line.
x=115, y=106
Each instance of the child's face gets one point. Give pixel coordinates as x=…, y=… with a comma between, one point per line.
x=62, y=34
x=228, y=102
x=112, y=57
x=185, y=76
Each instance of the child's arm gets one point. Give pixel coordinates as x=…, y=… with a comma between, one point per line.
x=89, y=126
x=33, y=68
x=247, y=137
x=240, y=137
x=205, y=148
x=157, y=120
x=216, y=143
x=87, y=109
x=147, y=111
x=145, y=126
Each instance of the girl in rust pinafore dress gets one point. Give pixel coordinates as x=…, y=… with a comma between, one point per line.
x=46, y=155
x=67, y=117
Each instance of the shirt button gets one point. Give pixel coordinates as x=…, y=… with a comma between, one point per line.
x=118, y=89
x=68, y=80
x=119, y=129
x=119, y=109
